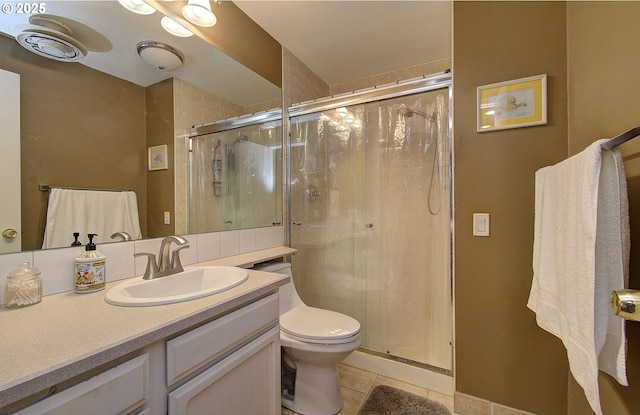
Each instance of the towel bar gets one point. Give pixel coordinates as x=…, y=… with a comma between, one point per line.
x=626, y=304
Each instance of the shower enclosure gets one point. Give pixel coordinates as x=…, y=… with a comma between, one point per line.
x=371, y=215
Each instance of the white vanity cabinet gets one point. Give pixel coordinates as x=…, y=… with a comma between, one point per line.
x=237, y=361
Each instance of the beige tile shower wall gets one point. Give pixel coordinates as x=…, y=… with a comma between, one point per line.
x=299, y=83
x=193, y=106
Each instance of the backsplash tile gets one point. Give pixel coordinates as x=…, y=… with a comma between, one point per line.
x=57, y=265
x=229, y=243
x=263, y=238
x=208, y=246
x=120, y=260
x=57, y=268
x=247, y=239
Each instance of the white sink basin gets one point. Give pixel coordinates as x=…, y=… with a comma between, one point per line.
x=188, y=285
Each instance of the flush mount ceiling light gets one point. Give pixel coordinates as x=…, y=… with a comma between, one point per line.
x=137, y=6
x=174, y=27
x=160, y=55
x=199, y=13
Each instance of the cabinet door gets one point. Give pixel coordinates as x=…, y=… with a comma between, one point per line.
x=116, y=391
x=246, y=382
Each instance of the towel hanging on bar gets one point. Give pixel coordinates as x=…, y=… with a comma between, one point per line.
x=82, y=211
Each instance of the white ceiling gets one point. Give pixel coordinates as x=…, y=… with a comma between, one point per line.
x=346, y=40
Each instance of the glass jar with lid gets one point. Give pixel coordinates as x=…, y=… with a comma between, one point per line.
x=23, y=287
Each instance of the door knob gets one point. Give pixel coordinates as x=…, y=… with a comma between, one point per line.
x=9, y=233
x=626, y=304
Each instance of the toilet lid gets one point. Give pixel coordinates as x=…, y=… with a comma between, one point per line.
x=315, y=325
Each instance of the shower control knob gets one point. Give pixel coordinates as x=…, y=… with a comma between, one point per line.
x=9, y=233
x=368, y=225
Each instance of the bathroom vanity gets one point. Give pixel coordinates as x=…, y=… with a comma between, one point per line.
x=75, y=353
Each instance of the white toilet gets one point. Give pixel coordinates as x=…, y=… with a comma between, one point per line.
x=313, y=341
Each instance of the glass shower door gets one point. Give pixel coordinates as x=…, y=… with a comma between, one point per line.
x=371, y=213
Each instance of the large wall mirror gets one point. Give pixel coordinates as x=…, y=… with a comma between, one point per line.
x=91, y=123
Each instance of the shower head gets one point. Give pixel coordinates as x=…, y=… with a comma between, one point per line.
x=407, y=113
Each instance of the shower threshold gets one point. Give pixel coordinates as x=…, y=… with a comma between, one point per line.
x=406, y=361
x=416, y=373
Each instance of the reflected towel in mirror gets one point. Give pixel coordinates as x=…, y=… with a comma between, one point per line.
x=89, y=211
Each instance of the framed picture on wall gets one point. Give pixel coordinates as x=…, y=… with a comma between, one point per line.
x=158, y=158
x=512, y=104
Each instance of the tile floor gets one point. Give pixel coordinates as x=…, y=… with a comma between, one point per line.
x=355, y=385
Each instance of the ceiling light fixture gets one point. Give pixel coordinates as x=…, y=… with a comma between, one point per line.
x=174, y=27
x=137, y=6
x=160, y=55
x=199, y=13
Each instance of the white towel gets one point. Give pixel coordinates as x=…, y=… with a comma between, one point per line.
x=580, y=254
x=88, y=211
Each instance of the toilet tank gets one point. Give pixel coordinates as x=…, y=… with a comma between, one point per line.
x=289, y=297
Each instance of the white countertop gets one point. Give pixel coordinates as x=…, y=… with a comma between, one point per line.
x=68, y=334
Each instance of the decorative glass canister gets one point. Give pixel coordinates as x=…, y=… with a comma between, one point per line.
x=23, y=287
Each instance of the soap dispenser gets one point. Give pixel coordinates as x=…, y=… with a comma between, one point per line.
x=90, y=269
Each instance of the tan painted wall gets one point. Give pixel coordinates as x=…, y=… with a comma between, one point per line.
x=501, y=354
x=160, y=183
x=604, y=100
x=63, y=119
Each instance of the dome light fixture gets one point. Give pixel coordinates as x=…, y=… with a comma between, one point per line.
x=137, y=6
x=160, y=55
x=199, y=13
x=174, y=27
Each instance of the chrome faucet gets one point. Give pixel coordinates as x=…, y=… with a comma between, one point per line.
x=168, y=261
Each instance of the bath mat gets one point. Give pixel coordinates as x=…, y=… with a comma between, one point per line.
x=385, y=400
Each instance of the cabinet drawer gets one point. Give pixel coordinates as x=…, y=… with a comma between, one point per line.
x=190, y=351
x=116, y=391
x=245, y=382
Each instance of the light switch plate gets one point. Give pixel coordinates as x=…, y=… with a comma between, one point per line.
x=481, y=224
x=167, y=218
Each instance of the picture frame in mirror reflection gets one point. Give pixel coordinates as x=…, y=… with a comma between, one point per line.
x=158, y=158
x=512, y=104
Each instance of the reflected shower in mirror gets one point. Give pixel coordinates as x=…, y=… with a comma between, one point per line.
x=89, y=124
x=234, y=177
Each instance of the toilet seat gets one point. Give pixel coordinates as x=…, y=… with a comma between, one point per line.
x=315, y=325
